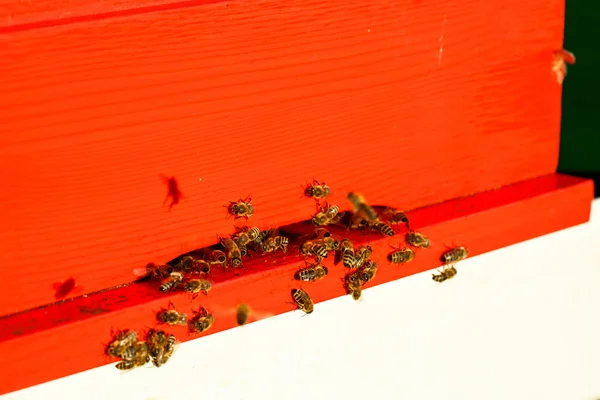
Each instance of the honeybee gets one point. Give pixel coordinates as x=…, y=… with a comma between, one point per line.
x=122, y=340
x=445, y=274
x=185, y=264
x=202, y=321
x=317, y=190
x=202, y=267
x=233, y=252
x=396, y=217
x=367, y=272
x=417, y=239
x=331, y=243
x=241, y=208
x=154, y=271
x=171, y=317
x=303, y=300
x=135, y=356
x=253, y=233
x=331, y=211
x=161, y=347
x=361, y=207
x=241, y=238
x=174, y=279
x=274, y=243
x=241, y=246
x=327, y=215
x=347, y=253
x=317, y=250
x=320, y=233
x=353, y=285
x=454, y=255
x=242, y=313
x=196, y=286
x=383, y=228
x=320, y=219
x=361, y=255
x=358, y=222
x=401, y=256
x=218, y=257
x=312, y=273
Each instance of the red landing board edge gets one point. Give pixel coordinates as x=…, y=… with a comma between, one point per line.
x=481, y=222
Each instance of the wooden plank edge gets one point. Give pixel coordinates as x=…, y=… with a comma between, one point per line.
x=71, y=336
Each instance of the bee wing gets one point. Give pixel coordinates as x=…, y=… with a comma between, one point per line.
x=141, y=272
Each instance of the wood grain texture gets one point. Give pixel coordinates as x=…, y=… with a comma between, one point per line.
x=256, y=98
x=73, y=335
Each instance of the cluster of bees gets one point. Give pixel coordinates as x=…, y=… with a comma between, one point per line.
x=190, y=272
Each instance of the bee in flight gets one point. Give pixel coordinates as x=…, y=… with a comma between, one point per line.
x=312, y=273
x=417, y=239
x=202, y=321
x=454, y=255
x=317, y=190
x=243, y=208
x=241, y=314
x=171, y=317
x=446, y=273
x=361, y=207
x=401, y=256
x=303, y=300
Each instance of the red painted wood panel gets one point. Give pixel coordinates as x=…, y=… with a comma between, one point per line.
x=408, y=103
x=73, y=335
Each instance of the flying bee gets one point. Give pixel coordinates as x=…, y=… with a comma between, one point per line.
x=358, y=222
x=218, y=257
x=347, y=253
x=161, y=346
x=446, y=273
x=137, y=356
x=417, y=239
x=361, y=255
x=312, y=273
x=367, y=272
x=303, y=300
x=171, y=317
x=320, y=233
x=202, y=321
x=196, y=286
x=396, y=217
x=361, y=207
x=317, y=250
x=317, y=190
x=353, y=285
x=401, y=256
x=122, y=340
x=383, y=228
x=241, y=208
x=174, y=279
x=233, y=252
x=241, y=315
x=454, y=255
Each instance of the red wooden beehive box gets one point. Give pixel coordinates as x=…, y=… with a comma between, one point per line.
x=452, y=111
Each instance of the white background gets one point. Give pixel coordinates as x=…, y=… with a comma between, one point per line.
x=519, y=323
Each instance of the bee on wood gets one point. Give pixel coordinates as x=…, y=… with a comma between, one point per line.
x=233, y=252
x=174, y=279
x=361, y=207
x=358, y=222
x=241, y=238
x=241, y=208
x=361, y=255
x=218, y=257
x=303, y=300
x=161, y=346
x=320, y=219
x=315, y=249
x=171, y=317
x=347, y=253
x=401, y=256
x=383, y=228
x=396, y=217
x=320, y=233
x=202, y=267
x=417, y=239
x=241, y=315
x=136, y=355
x=202, y=321
x=353, y=285
x=241, y=246
x=274, y=243
x=317, y=190
x=327, y=215
x=312, y=273
x=446, y=273
x=122, y=340
x=196, y=286
x=367, y=272
x=454, y=255
x=185, y=265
